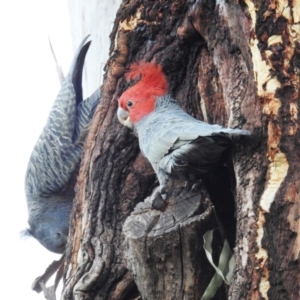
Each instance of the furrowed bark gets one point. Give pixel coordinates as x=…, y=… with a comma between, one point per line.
x=234, y=63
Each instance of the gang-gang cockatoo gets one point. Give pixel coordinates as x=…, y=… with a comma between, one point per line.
x=176, y=144
x=54, y=163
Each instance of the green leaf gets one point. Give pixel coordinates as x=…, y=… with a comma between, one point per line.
x=224, y=270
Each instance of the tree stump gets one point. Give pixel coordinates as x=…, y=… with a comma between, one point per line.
x=164, y=249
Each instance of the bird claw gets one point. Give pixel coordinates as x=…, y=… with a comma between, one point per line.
x=163, y=192
x=164, y=196
x=158, y=200
x=159, y=203
x=196, y=187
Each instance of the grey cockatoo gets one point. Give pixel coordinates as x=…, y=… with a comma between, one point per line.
x=176, y=144
x=54, y=162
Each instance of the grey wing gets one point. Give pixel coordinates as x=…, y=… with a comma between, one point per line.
x=54, y=156
x=190, y=128
x=56, y=153
x=172, y=130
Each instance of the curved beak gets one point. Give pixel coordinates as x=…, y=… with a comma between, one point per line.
x=124, y=118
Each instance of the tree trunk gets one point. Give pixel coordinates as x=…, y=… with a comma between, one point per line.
x=235, y=63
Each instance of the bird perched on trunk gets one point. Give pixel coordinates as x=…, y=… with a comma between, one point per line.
x=54, y=162
x=177, y=145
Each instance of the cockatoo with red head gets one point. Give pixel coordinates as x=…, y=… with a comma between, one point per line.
x=176, y=144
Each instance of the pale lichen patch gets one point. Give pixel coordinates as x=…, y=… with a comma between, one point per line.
x=296, y=11
x=272, y=85
x=281, y=6
x=295, y=30
x=294, y=111
x=260, y=67
x=271, y=106
x=245, y=244
x=203, y=101
x=287, y=13
x=266, y=83
x=264, y=285
x=277, y=171
x=260, y=233
x=274, y=39
x=131, y=23
x=252, y=12
x=204, y=111
x=262, y=257
x=268, y=53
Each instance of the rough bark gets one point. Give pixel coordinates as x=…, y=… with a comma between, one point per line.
x=235, y=63
x=164, y=249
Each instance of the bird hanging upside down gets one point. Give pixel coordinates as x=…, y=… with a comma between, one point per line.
x=176, y=144
x=54, y=162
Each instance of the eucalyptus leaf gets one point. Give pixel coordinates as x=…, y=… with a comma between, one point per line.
x=224, y=270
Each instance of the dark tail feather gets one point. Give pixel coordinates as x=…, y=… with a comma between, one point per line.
x=77, y=73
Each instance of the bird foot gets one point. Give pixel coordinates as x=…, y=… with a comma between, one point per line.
x=163, y=193
x=158, y=199
x=196, y=187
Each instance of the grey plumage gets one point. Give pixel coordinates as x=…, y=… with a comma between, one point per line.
x=54, y=162
x=178, y=145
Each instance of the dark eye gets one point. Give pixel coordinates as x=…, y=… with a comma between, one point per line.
x=130, y=103
x=58, y=235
